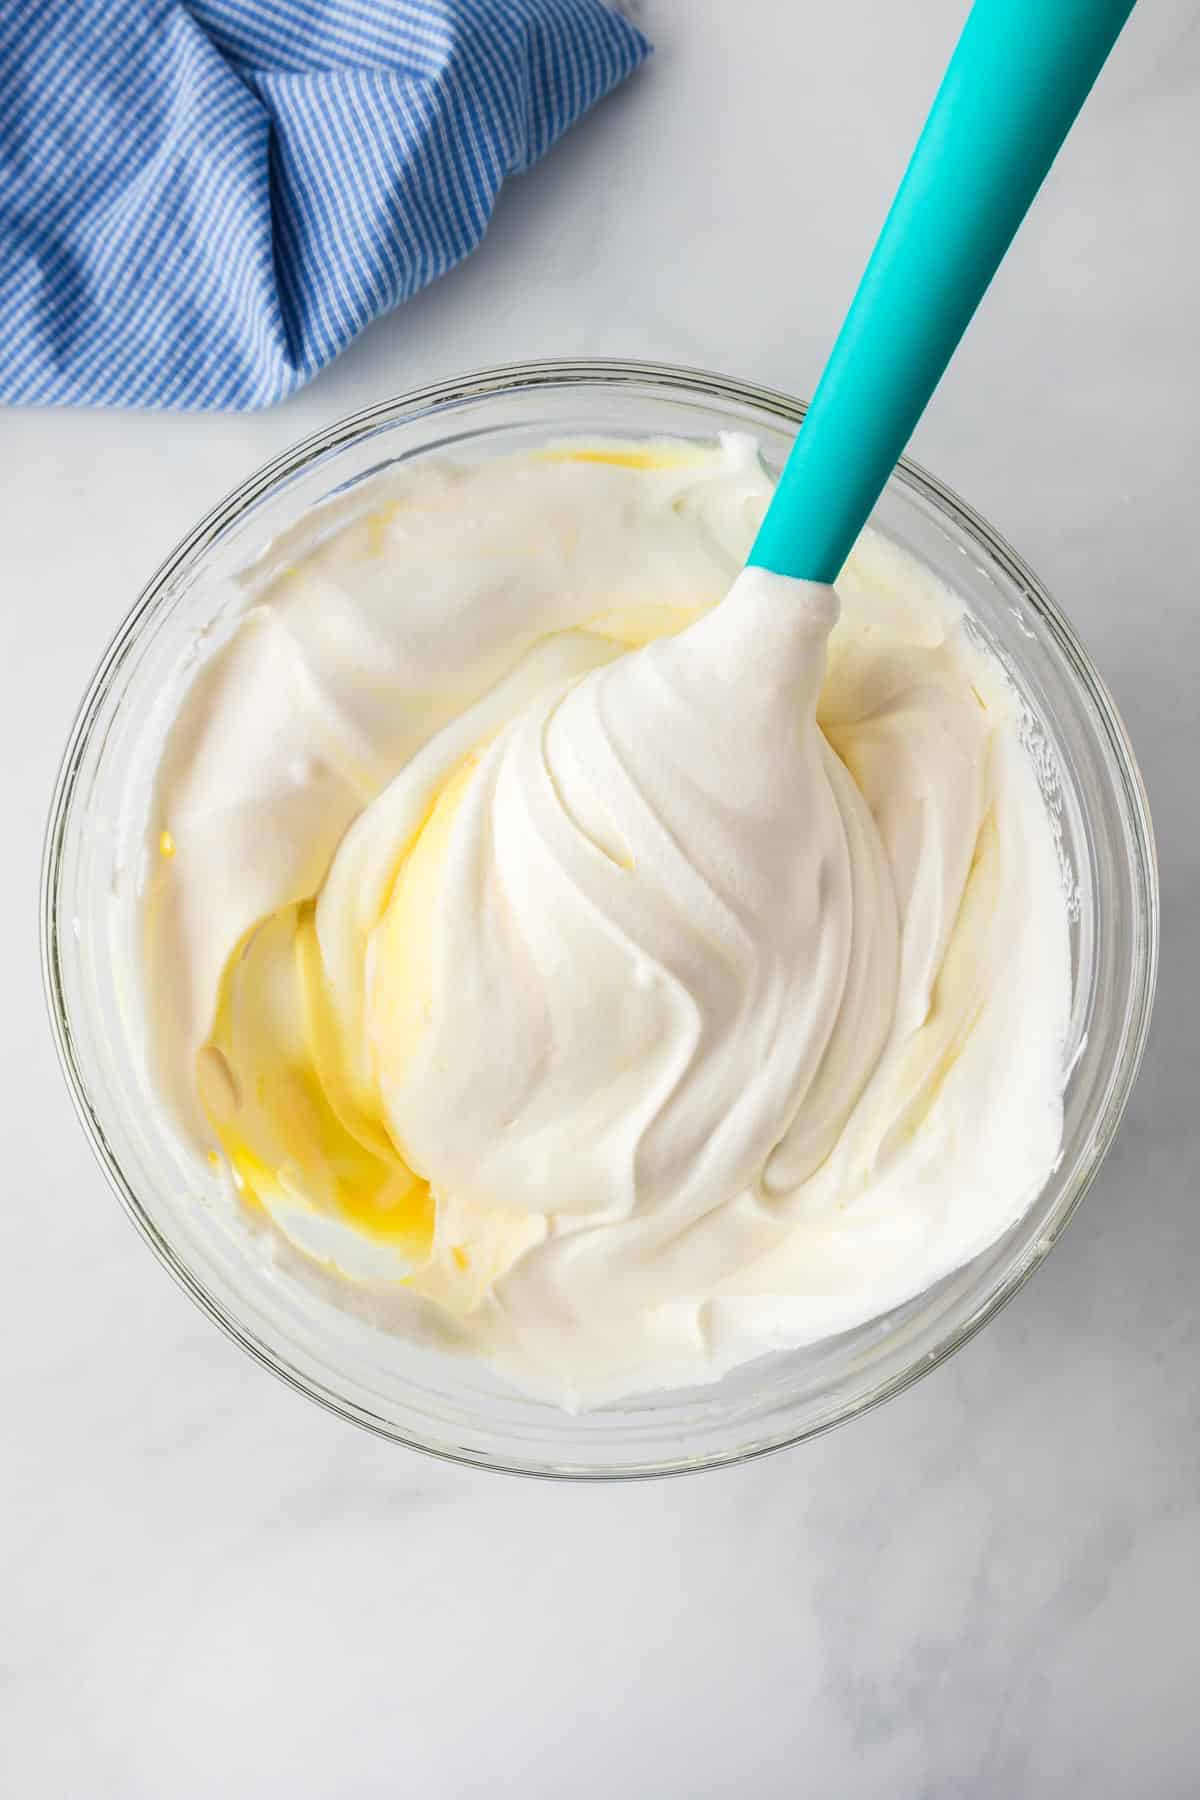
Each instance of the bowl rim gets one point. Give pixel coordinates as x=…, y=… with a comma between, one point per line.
x=583, y=373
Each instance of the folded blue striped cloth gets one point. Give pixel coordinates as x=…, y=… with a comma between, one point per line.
x=202, y=201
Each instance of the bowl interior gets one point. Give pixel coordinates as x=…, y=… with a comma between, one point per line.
x=94, y=863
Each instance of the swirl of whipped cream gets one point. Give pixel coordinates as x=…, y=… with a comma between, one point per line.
x=658, y=947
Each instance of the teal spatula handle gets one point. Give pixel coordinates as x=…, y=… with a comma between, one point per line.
x=1020, y=73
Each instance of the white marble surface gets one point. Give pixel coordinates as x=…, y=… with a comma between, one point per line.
x=989, y=1587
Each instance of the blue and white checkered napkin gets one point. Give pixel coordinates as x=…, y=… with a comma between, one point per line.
x=202, y=201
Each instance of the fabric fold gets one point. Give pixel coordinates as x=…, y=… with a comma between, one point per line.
x=203, y=201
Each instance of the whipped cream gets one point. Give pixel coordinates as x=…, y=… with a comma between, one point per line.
x=611, y=965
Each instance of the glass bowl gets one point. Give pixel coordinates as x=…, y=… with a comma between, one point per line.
x=427, y=1400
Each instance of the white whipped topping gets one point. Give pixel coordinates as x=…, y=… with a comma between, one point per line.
x=717, y=988
x=664, y=939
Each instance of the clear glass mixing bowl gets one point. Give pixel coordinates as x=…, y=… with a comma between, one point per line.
x=448, y=1406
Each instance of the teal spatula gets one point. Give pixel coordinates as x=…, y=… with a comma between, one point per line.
x=1020, y=73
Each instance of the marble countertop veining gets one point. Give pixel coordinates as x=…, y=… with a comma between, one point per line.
x=988, y=1587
